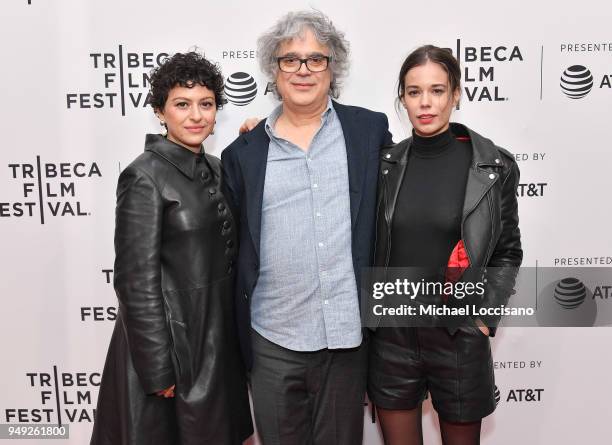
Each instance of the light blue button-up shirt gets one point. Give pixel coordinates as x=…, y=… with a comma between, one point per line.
x=306, y=295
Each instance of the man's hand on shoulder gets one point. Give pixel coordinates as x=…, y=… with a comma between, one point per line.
x=249, y=124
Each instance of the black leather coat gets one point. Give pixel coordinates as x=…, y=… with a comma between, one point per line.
x=489, y=227
x=175, y=243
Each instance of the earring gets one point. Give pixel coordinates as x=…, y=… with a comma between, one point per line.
x=164, y=130
x=213, y=128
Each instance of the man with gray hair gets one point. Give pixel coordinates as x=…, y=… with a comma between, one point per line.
x=303, y=184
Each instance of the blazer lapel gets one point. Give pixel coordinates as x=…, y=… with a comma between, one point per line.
x=356, y=141
x=253, y=161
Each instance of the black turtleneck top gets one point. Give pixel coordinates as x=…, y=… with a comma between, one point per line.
x=427, y=218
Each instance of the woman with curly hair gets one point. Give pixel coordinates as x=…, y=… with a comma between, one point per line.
x=173, y=373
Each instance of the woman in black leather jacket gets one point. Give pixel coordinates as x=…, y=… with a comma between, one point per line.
x=447, y=198
x=173, y=373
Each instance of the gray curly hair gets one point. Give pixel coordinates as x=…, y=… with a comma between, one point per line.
x=293, y=25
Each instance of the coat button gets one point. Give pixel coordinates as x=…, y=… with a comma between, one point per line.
x=227, y=224
x=204, y=176
x=497, y=161
x=492, y=176
x=385, y=171
x=229, y=243
x=246, y=297
x=388, y=156
x=221, y=207
x=212, y=191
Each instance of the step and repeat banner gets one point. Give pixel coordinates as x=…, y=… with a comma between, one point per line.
x=74, y=83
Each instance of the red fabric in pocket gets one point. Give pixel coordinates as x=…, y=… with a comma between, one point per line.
x=457, y=263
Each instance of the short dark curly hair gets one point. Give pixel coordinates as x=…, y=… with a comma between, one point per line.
x=185, y=70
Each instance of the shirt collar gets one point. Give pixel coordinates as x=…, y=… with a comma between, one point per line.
x=272, y=118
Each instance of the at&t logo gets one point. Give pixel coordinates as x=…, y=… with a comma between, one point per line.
x=240, y=88
x=570, y=293
x=525, y=395
x=519, y=395
x=577, y=81
x=531, y=189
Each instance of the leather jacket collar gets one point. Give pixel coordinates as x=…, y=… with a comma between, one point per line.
x=491, y=165
x=182, y=158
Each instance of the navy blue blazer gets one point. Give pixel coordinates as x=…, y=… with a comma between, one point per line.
x=244, y=164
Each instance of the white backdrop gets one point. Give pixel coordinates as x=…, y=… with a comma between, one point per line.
x=72, y=116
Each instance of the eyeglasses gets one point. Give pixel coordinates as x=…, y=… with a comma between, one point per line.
x=292, y=64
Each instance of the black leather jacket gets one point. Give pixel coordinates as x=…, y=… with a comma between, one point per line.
x=175, y=244
x=489, y=226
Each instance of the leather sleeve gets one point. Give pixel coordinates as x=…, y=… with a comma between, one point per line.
x=508, y=251
x=137, y=278
x=507, y=256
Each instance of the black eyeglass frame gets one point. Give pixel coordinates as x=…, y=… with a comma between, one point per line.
x=303, y=61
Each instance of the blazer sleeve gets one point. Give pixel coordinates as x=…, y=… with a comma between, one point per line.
x=231, y=180
x=388, y=137
x=137, y=278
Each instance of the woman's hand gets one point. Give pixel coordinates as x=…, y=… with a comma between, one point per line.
x=249, y=124
x=166, y=393
x=484, y=329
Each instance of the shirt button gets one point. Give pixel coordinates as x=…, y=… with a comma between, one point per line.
x=314, y=186
x=326, y=301
x=318, y=213
x=320, y=244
